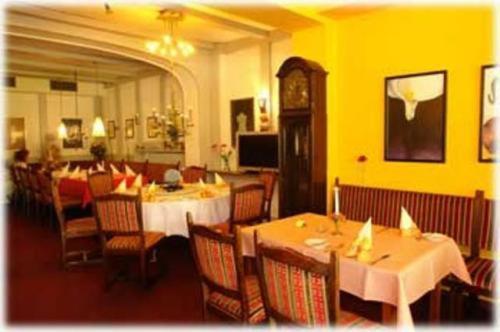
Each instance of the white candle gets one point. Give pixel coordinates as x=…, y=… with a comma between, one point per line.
x=337, y=203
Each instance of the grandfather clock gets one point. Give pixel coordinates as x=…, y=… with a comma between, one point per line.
x=302, y=137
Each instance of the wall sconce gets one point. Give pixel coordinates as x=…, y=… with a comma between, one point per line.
x=264, y=117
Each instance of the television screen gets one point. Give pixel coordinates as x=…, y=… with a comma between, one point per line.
x=258, y=151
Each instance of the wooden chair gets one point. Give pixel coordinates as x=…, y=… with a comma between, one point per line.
x=247, y=205
x=481, y=269
x=122, y=232
x=100, y=183
x=71, y=230
x=227, y=292
x=16, y=195
x=297, y=289
x=193, y=174
x=269, y=179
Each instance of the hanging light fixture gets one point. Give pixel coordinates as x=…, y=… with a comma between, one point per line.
x=98, y=125
x=62, y=132
x=170, y=45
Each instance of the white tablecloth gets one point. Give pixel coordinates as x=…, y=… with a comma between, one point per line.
x=413, y=269
x=169, y=215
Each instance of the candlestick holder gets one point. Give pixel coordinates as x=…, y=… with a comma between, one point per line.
x=337, y=218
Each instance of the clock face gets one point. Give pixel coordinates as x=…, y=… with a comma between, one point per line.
x=295, y=90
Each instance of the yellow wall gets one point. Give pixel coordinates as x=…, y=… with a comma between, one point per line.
x=362, y=50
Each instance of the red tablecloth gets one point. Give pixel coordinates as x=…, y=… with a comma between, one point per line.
x=79, y=188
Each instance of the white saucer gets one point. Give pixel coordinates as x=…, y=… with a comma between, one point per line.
x=314, y=242
x=434, y=237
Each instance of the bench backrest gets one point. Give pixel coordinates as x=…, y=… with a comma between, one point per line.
x=448, y=214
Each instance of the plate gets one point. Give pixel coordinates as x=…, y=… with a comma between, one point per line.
x=434, y=237
x=313, y=242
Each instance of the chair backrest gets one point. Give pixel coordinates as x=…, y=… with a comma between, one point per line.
x=100, y=183
x=119, y=214
x=296, y=288
x=218, y=258
x=193, y=174
x=247, y=204
x=156, y=171
x=58, y=207
x=45, y=184
x=448, y=214
x=268, y=178
x=488, y=218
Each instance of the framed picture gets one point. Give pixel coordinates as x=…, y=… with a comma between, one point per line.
x=152, y=126
x=242, y=117
x=74, y=130
x=489, y=144
x=111, y=129
x=129, y=128
x=16, y=135
x=415, y=117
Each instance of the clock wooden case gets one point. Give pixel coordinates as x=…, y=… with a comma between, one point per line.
x=302, y=142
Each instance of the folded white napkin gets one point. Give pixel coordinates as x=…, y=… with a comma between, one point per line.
x=406, y=224
x=100, y=167
x=129, y=171
x=114, y=170
x=152, y=188
x=137, y=182
x=202, y=184
x=122, y=187
x=75, y=174
x=65, y=171
x=90, y=170
x=219, y=180
x=363, y=241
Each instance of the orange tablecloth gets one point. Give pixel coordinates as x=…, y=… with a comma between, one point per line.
x=79, y=187
x=413, y=269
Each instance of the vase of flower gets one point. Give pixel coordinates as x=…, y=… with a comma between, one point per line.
x=98, y=150
x=224, y=154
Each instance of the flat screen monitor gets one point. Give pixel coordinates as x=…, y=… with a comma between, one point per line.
x=257, y=151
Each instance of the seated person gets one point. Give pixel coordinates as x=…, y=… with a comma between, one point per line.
x=21, y=158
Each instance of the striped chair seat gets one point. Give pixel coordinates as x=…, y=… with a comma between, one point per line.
x=133, y=242
x=232, y=307
x=349, y=319
x=482, y=273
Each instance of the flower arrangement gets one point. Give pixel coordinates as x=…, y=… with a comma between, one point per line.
x=98, y=150
x=224, y=152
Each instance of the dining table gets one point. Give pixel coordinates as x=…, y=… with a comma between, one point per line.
x=209, y=204
x=401, y=270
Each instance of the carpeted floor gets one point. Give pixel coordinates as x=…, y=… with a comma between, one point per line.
x=40, y=292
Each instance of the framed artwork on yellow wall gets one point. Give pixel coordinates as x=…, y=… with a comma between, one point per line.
x=415, y=117
x=489, y=143
x=111, y=129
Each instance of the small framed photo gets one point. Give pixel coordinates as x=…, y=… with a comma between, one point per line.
x=152, y=126
x=489, y=143
x=415, y=117
x=111, y=129
x=129, y=128
x=16, y=135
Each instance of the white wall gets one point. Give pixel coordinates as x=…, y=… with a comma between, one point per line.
x=42, y=110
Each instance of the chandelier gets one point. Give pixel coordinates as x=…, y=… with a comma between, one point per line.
x=170, y=45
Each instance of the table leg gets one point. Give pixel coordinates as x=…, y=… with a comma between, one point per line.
x=389, y=314
x=435, y=304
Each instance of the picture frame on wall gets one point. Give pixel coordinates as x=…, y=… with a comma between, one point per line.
x=489, y=142
x=242, y=117
x=111, y=129
x=129, y=128
x=16, y=135
x=152, y=126
x=415, y=117
x=74, y=132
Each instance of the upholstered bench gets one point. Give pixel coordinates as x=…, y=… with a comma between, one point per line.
x=448, y=214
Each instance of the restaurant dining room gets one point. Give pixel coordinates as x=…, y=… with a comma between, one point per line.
x=266, y=164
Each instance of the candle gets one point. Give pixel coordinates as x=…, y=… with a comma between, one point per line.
x=337, y=203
